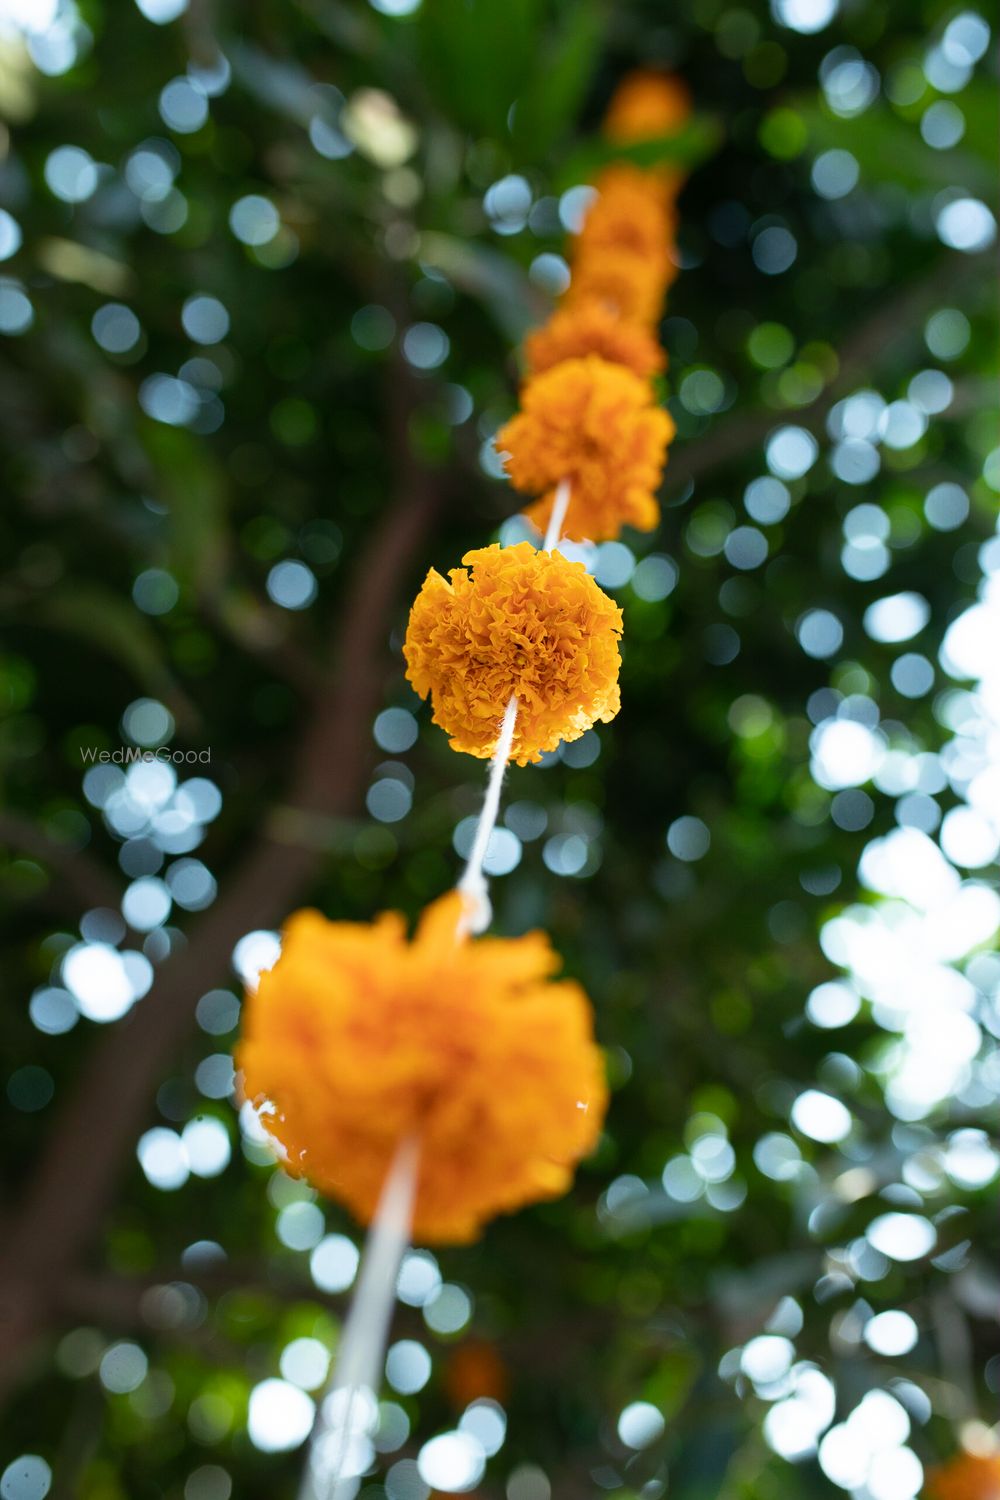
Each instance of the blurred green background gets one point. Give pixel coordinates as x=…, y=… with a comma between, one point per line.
x=265, y=269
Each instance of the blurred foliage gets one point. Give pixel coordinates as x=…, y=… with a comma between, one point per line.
x=373, y=198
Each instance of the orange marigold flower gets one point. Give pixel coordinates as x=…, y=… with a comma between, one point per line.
x=967, y=1476
x=630, y=285
x=357, y=1040
x=622, y=256
x=515, y=622
x=594, y=424
x=633, y=211
x=646, y=105
x=591, y=328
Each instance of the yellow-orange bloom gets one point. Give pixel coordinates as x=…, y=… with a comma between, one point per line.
x=630, y=285
x=522, y=623
x=358, y=1039
x=633, y=210
x=646, y=106
x=591, y=328
x=622, y=256
x=965, y=1477
x=594, y=424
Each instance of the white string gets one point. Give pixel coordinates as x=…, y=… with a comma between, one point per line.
x=560, y=506
x=340, y=1448
x=473, y=884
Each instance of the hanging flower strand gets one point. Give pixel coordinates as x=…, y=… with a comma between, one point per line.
x=587, y=408
x=591, y=439
x=431, y=1083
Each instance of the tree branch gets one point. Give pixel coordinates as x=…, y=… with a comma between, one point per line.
x=83, y=876
x=72, y=1187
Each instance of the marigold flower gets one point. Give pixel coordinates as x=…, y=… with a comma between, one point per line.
x=520, y=623
x=591, y=328
x=647, y=105
x=633, y=211
x=631, y=286
x=967, y=1476
x=622, y=256
x=358, y=1039
x=594, y=424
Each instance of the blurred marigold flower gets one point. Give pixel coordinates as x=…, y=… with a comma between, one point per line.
x=633, y=210
x=593, y=423
x=515, y=622
x=622, y=255
x=967, y=1476
x=592, y=328
x=628, y=284
x=359, y=1039
x=645, y=106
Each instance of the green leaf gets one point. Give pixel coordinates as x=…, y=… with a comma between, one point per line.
x=472, y=57
x=551, y=100
x=891, y=149
x=694, y=143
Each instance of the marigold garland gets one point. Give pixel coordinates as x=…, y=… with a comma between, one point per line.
x=593, y=423
x=515, y=622
x=581, y=421
x=431, y=1084
x=358, y=1040
x=591, y=327
x=967, y=1476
